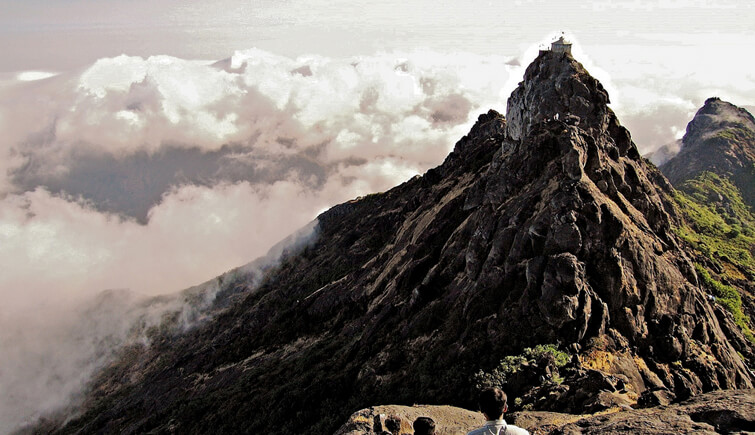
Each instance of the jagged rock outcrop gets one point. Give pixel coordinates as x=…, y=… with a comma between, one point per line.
x=581, y=240
x=576, y=99
x=720, y=139
x=712, y=413
x=545, y=229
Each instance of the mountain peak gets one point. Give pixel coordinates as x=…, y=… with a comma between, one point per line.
x=716, y=115
x=720, y=139
x=557, y=87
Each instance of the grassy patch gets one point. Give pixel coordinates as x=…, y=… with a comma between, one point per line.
x=735, y=133
x=718, y=226
x=727, y=296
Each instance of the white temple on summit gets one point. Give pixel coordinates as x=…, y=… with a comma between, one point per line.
x=561, y=46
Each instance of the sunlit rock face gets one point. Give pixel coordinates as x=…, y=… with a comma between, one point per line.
x=539, y=229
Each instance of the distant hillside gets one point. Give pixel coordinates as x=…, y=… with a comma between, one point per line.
x=719, y=139
x=715, y=177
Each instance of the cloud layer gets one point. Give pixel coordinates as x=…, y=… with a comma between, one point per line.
x=155, y=174
x=203, y=166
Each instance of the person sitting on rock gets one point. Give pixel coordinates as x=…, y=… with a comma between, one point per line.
x=492, y=402
x=424, y=426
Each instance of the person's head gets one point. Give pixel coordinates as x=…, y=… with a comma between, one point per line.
x=393, y=424
x=424, y=426
x=492, y=403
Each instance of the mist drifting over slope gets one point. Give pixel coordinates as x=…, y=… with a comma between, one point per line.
x=156, y=173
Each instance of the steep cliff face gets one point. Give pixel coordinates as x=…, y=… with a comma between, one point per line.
x=719, y=139
x=545, y=229
x=570, y=95
x=587, y=248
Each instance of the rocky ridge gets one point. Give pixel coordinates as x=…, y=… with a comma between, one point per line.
x=714, y=176
x=548, y=228
x=719, y=139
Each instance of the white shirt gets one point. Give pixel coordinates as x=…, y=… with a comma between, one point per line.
x=498, y=427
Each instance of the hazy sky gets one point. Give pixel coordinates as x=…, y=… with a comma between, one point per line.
x=153, y=144
x=658, y=54
x=55, y=35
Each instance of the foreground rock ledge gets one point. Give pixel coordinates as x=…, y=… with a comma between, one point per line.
x=712, y=413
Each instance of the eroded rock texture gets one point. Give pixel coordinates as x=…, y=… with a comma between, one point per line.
x=712, y=413
x=548, y=229
x=587, y=242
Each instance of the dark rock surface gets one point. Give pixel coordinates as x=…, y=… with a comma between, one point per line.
x=720, y=139
x=712, y=413
x=548, y=229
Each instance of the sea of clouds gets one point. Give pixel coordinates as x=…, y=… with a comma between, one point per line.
x=153, y=174
x=145, y=176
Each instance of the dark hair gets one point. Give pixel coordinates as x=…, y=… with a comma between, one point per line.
x=424, y=426
x=492, y=402
x=393, y=424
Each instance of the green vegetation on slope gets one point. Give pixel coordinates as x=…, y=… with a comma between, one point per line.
x=727, y=296
x=511, y=364
x=718, y=225
x=736, y=132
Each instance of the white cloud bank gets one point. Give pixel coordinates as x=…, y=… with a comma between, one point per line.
x=361, y=124
x=301, y=135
